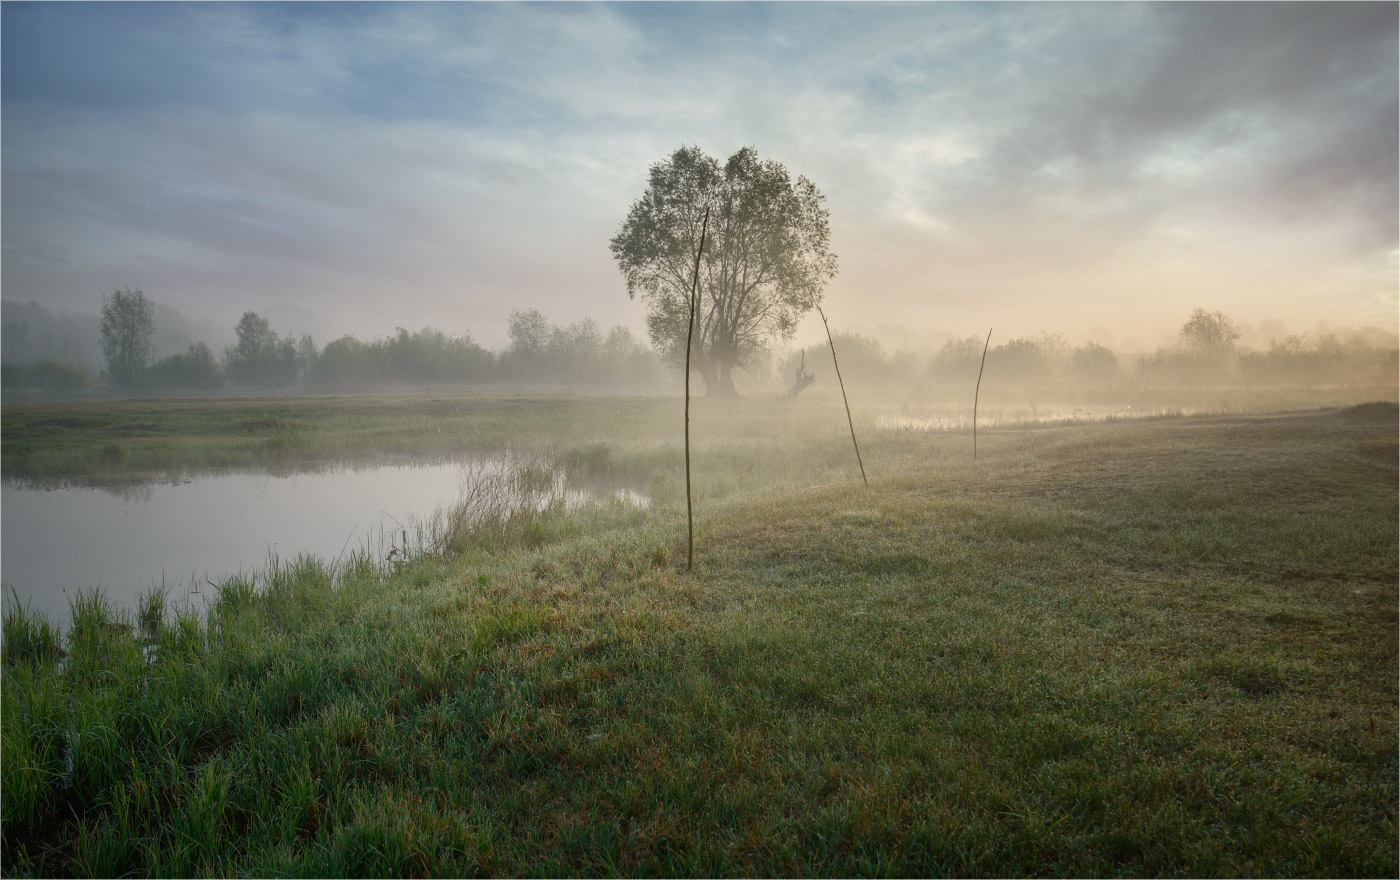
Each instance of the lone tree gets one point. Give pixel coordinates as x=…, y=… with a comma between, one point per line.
x=127, y=326
x=764, y=265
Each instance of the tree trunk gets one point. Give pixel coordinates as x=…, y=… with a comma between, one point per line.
x=719, y=382
x=804, y=379
x=706, y=368
x=726, y=384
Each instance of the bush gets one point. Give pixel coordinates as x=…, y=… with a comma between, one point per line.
x=195, y=368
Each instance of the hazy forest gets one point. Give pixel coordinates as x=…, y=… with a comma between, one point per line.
x=51, y=355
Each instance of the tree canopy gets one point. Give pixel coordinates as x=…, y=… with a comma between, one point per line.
x=127, y=325
x=1209, y=333
x=766, y=259
x=260, y=356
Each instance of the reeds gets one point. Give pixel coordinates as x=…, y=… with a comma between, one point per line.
x=29, y=638
x=501, y=507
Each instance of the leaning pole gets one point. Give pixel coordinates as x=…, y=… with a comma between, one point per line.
x=849, y=423
x=978, y=393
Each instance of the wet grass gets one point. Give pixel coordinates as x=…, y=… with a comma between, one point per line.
x=1164, y=647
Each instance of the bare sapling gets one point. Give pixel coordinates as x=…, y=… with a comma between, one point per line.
x=689, y=341
x=842, y=382
x=978, y=392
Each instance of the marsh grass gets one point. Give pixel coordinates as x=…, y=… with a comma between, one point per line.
x=499, y=507
x=29, y=638
x=1162, y=647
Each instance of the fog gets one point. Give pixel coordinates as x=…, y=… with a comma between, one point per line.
x=734, y=439
x=1096, y=171
x=58, y=355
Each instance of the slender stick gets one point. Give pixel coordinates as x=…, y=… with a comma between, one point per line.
x=978, y=393
x=689, y=340
x=843, y=394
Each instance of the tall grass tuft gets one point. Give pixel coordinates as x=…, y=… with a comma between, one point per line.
x=29, y=637
x=585, y=462
x=150, y=611
x=98, y=631
x=236, y=593
x=113, y=455
x=34, y=717
x=499, y=509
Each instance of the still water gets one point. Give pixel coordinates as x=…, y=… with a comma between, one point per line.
x=959, y=417
x=125, y=540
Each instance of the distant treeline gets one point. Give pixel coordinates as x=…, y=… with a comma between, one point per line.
x=578, y=354
x=1205, y=353
x=539, y=353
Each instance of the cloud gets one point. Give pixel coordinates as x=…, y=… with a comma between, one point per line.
x=447, y=162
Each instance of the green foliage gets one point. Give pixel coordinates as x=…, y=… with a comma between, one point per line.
x=112, y=455
x=1135, y=648
x=260, y=356
x=765, y=262
x=578, y=353
x=529, y=333
x=195, y=368
x=28, y=637
x=428, y=356
x=127, y=325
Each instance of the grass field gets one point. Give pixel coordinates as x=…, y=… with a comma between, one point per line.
x=1146, y=647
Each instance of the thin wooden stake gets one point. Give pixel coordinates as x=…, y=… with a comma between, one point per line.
x=978, y=393
x=689, y=339
x=843, y=394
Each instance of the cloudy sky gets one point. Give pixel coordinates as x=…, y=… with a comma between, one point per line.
x=348, y=168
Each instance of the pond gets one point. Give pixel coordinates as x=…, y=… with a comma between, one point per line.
x=127, y=539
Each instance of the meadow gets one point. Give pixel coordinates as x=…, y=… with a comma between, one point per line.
x=1149, y=646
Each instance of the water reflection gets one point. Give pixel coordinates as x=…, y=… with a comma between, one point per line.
x=959, y=418
x=188, y=533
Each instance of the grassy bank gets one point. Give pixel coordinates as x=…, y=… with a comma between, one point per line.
x=134, y=438
x=128, y=440
x=1160, y=647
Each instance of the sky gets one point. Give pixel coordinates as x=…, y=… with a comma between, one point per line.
x=1096, y=169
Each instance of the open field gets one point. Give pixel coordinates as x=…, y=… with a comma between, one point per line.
x=1162, y=646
